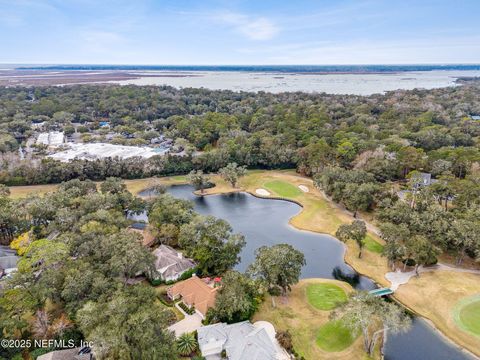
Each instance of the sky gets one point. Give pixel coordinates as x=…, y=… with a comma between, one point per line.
x=233, y=32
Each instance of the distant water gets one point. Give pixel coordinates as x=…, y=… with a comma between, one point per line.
x=331, y=83
x=332, y=79
x=264, y=68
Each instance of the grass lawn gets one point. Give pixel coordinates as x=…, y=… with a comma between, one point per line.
x=467, y=315
x=470, y=317
x=437, y=296
x=320, y=215
x=304, y=322
x=282, y=188
x=134, y=186
x=17, y=192
x=334, y=336
x=373, y=245
x=325, y=296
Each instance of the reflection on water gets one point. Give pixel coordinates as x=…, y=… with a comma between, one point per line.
x=352, y=278
x=265, y=222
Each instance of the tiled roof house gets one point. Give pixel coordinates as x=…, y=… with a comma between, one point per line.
x=194, y=292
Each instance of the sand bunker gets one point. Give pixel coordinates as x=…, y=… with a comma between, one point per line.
x=262, y=192
x=303, y=188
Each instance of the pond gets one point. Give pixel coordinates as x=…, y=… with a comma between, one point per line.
x=265, y=222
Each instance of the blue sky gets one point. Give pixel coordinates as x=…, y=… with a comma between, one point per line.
x=222, y=32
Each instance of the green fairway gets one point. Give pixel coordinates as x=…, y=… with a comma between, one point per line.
x=325, y=296
x=467, y=315
x=283, y=188
x=334, y=336
x=372, y=245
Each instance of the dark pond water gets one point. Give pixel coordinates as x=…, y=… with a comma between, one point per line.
x=265, y=222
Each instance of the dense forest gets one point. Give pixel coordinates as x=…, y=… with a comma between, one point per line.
x=387, y=135
x=80, y=262
x=412, y=158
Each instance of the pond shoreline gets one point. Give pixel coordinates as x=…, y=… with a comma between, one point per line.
x=436, y=330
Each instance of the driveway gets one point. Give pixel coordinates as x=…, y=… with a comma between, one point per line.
x=188, y=324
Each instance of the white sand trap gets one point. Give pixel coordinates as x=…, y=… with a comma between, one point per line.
x=303, y=188
x=262, y=192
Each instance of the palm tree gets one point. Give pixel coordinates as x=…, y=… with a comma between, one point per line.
x=186, y=344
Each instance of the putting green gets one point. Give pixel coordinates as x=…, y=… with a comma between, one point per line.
x=325, y=296
x=334, y=336
x=283, y=188
x=467, y=315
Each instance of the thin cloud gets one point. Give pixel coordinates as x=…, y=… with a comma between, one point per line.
x=254, y=28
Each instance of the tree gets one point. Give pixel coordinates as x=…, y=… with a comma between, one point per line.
x=410, y=158
x=113, y=185
x=186, y=344
x=422, y=251
x=443, y=189
x=198, y=179
x=465, y=235
x=356, y=231
x=167, y=214
x=237, y=299
x=372, y=317
x=4, y=190
x=278, y=266
x=359, y=197
x=210, y=242
x=395, y=237
x=232, y=172
x=129, y=325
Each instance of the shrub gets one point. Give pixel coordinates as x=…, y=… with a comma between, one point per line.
x=188, y=274
x=189, y=311
x=284, y=338
x=156, y=282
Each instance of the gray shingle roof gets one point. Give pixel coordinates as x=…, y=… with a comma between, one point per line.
x=170, y=263
x=241, y=341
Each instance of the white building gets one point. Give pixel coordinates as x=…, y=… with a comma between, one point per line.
x=52, y=138
x=92, y=151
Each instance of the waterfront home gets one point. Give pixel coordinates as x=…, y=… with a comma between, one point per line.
x=195, y=292
x=239, y=341
x=170, y=263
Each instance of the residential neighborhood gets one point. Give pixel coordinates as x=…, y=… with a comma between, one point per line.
x=239, y=180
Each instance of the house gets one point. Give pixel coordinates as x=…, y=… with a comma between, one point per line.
x=170, y=263
x=51, y=139
x=419, y=180
x=194, y=292
x=240, y=341
x=422, y=179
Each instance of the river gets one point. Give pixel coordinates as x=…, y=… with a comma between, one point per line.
x=266, y=222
